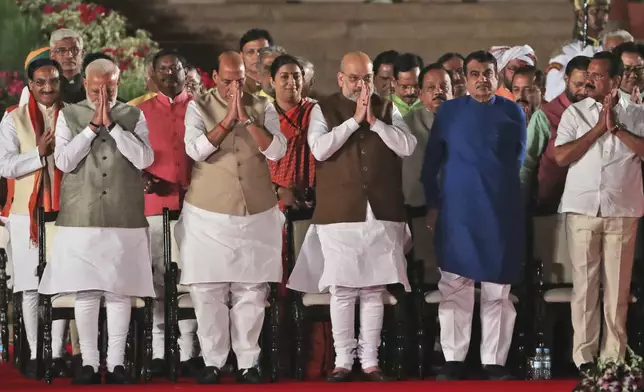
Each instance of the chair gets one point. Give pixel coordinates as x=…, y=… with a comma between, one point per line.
x=179, y=306
x=4, y=307
x=308, y=308
x=61, y=307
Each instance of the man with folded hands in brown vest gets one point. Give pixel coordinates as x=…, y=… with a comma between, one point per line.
x=230, y=230
x=355, y=245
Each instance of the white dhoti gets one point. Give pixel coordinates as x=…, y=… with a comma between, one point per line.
x=353, y=260
x=23, y=256
x=455, y=316
x=113, y=263
x=187, y=328
x=229, y=259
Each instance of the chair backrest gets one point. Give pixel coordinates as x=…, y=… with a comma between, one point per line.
x=424, y=269
x=170, y=218
x=46, y=233
x=293, y=237
x=550, y=247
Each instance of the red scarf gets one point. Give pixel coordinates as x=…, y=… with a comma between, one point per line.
x=49, y=198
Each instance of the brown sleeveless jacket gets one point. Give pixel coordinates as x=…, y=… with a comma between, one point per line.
x=363, y=170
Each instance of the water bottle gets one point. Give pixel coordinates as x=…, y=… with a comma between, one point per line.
x=546, y=365
x=537, y=365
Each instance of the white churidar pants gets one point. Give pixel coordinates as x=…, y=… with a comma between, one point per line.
x=187, y=329
x=455, y=316
x=220, y=328
x=118, y=309
x=30, y=318
x=342, y=308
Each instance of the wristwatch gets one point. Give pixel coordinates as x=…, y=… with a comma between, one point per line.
x=249, y=121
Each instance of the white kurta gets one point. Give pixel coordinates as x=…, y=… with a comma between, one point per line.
x=361, y=254
x=21, y=251
x=116, y=260
x=224, y=248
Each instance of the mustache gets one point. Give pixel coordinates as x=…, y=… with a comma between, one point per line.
x=523, y=101
x=411, y=96
x=590, y=87
x=440, y=97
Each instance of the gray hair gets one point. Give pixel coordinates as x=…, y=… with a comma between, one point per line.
x=623, y=34
x=102, y=67
x=61, y=34
x=309, y=68
x=274, y=50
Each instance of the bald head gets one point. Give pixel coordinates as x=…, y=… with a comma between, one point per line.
x=353, y=59
x=99, y=74
x=230, y=73
x=356, y=72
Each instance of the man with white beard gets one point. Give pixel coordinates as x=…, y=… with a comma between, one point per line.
x=101, y=248
x=359, y=225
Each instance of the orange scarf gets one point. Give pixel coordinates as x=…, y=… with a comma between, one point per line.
x=38, y=199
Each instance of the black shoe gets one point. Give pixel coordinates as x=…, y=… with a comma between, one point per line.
x=375, y=376
x=192, y=367
x=31, y=369
x=59, y=368
x=87, y=376
x=340, y=376
x=118, y=377
x=452, y=371
x=76, y=364
x=157, y=367
x=587, y=369
x=250, y=376
x=497, y=373
x=209, y=375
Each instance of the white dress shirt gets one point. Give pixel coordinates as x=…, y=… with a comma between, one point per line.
x=218, y=247
x=355, y=254
x=607, y=180
x=199, y=148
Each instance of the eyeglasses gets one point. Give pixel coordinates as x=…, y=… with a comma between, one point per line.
x=355, y=78
x=73, y=50
x=639, y=71
x=43, y=82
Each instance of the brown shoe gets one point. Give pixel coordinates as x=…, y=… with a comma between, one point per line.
x=376, y=376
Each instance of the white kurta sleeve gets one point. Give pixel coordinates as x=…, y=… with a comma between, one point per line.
x=555, y=84
x=198, y=147
x=70, y=150
x=135, y=145
x=277, y=149
x=14, y=164
x=323, y=143
x=396, y=136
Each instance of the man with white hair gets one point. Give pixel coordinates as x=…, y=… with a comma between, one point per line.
x=596, y=23
x=612, y=38
x=309, y=76
x=66, y=47
x=266, y=57
x=101, y=248
x=509, y=59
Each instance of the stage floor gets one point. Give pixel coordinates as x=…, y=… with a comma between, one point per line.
x=12, y=381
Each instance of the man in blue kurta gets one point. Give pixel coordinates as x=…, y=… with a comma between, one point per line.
x=473, y=196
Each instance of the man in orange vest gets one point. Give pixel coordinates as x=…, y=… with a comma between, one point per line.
x=26, y=160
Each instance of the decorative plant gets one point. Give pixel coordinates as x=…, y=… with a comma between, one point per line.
x=615, y=376
x=103, y=30
x=19, y=34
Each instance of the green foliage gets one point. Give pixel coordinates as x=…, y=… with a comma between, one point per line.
x=19, y=34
